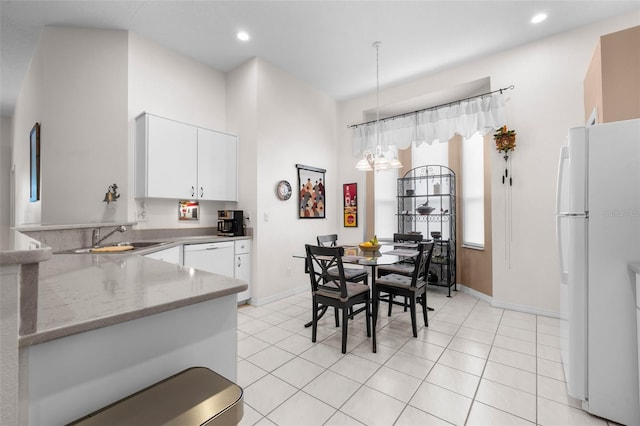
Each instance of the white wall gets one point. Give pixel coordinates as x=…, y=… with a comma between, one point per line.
x=172, y=85
x=27, y=112
x=76, y=89
x=85, y=86
x=83, y=139
x=5, y=170
x=294, y=124
x=547, y=100
x=242, y=120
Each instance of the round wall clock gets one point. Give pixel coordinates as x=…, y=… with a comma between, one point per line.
x=283, y=190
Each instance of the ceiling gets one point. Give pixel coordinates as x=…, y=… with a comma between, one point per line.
x=327, y=44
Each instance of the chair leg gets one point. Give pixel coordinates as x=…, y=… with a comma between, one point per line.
x=406, y=302
x=423, y=301
x=367, y=312
x=335, y=312
x=345, y=316
x=412, y=308
x=314, y=321
x=390, y=304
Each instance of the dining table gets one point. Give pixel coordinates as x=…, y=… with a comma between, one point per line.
x=388, y=254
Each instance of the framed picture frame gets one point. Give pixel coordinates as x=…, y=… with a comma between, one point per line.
x=350, y=203
x=188, y=210
x=311, y=192
x=34, y=160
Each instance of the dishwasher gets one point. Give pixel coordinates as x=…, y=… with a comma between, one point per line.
x=210, y=257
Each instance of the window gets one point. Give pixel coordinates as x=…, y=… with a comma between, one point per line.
x=436, y=153
x=472, y=162
x=386, y=188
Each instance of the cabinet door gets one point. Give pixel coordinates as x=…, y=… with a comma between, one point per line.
x=243, y=272
x=171, y=255
x=211, y=257
x=217, y=166
x=171, y=153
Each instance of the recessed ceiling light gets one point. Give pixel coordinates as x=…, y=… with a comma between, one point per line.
x=538, y=18
x=243, y=36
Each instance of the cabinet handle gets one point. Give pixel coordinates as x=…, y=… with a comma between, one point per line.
x=239, y=262
x=193, y=191
x=201, y=192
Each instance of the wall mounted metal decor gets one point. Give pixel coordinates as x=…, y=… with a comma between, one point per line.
x=311, y=192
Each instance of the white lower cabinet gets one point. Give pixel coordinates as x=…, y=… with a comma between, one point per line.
x=242, y=267
x=211, y=257
x=229, y=258
x=170, y=255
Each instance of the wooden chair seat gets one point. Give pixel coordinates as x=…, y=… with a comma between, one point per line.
x=351, y=274
x=399, y=281
x=352, y=290
x=396, y=268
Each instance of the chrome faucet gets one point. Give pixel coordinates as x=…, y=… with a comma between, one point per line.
x=95, y=236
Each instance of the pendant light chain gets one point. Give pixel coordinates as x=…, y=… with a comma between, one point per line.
x=378, y=159
x=377, y=46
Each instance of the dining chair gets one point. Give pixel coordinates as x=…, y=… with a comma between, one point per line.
x=405, y=267
x=331, y=289
x=351, y=274
x=413, y=287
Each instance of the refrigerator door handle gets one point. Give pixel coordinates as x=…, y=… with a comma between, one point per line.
x=562, y=164
x=564, y=157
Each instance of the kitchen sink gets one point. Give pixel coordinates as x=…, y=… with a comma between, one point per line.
x=140, y=244
x=113, y=248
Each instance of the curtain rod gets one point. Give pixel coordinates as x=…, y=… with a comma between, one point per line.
x=404, y=114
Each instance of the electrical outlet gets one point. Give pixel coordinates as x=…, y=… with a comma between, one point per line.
x=266, y=217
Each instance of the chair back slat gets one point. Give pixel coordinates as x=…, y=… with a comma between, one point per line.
x=407, y=238
x=319, y=261
x=330, y=240
x=422, y=262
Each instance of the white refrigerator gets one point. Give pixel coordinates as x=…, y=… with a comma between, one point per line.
x=598, y=235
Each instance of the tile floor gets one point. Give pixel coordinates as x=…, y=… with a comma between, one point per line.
x=473, y=365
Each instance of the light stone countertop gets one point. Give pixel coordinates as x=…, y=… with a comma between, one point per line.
x=17, y=248
x=78, y=293
x=82, y=292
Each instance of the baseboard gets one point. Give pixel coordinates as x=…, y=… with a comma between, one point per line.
x=475, y=293
x=510, y=306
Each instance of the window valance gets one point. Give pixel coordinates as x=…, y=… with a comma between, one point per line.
x=482, y=114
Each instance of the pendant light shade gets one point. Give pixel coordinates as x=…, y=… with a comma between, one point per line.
x=380, y=160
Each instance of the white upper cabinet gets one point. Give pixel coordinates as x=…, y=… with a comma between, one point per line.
x=217, y=166
x=181, y=161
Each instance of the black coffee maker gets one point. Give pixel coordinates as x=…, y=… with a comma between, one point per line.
x=230, y=223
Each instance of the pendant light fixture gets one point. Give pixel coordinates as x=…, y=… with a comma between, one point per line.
x=378, y=160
